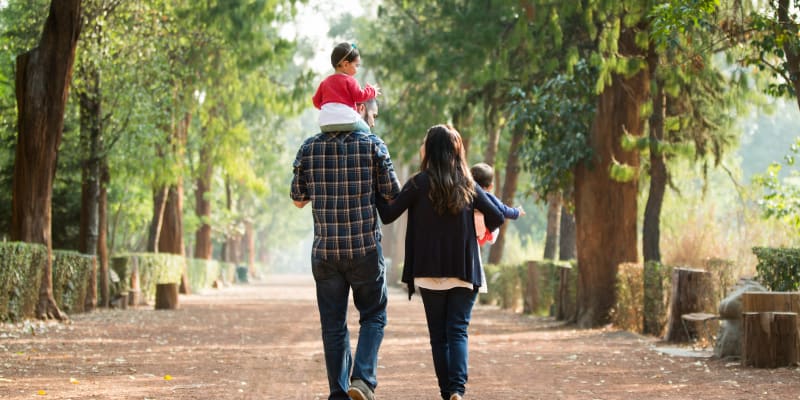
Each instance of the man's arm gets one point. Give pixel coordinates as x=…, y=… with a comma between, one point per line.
x=388, y=186
x=299, y=190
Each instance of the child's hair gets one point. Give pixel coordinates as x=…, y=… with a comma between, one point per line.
x=483, y=174
x=343, y=52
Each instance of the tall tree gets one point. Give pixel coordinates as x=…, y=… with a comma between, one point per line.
x=605, y=198
x=40, y=123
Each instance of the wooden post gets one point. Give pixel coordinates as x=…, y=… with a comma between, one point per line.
x=134, y=294
x=770, y=339
x=166, y=296
x=532, y=295
x=566, y=298
x=691, y=293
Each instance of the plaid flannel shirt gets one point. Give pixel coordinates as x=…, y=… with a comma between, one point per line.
x=341, y=173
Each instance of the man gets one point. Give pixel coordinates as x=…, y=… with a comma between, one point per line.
x=341, y=174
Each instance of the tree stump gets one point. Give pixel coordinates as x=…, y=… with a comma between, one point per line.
x=770, y=339
x=166, y=296
x=771, y=301
x=692, y=292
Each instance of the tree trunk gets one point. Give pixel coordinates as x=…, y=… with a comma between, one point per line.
x=171, y=237
x=605, y=210
x=509, y=190
x=102, y=235
x=493, y=141
x=553, y=225
x=202, y=245
x=42, y=85
x=91, y=139
x=651, y=229
x=159, y=209
x=566, y=238
x=166, y=229
x=786, y=20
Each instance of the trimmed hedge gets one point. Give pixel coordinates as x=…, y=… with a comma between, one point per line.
x=628, y=313
x=778, y=269
x=21, y=268
x=506, y=285
x=153, y=268
x=657, y=283
x=71, y=272
x=203, y=273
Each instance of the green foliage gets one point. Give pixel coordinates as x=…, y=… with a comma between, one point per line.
x=770, y=41
x=675, y=18
x=152, y=269
x=781, y=199
x=778, y=269
x=21, y=268
x=435, y=71
x=71, y=273
x=554, y=144
x=622, y=173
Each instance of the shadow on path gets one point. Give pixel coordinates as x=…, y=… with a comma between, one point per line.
x=262, y=341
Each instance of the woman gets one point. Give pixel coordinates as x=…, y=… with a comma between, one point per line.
x=442, y=256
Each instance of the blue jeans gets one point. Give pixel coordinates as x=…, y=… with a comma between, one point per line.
x=448, y=313
x=334, y=278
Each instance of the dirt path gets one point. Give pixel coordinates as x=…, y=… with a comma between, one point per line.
x=261, y=341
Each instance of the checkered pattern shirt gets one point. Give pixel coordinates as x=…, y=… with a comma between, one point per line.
x=341, y=173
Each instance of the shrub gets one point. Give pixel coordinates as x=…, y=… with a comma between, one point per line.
x=21, y=268
x=152, y=268
x=628, y=312
x=724, y=274
x=71, y=271
x=778, y=269
x=202, y=273
x=506, y=285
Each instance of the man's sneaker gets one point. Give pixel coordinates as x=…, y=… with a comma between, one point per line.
x=456, y=396
x=360, y=391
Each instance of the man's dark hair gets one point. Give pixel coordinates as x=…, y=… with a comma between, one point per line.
x=343, y=52
x=483, y=174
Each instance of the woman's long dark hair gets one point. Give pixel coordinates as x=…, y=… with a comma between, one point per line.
x=452, y=188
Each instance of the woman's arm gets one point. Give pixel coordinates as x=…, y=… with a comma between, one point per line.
x=390, y=211
x=492, y=217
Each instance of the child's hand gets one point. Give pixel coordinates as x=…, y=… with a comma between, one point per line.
x=521, y=211
x=377, y=90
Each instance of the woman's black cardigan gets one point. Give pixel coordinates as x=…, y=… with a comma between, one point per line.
x=439, y=245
